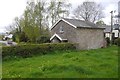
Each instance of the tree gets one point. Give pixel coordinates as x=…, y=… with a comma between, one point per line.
x=89, y=11
x=34, y=23
x=1, y=36
x=100, y=22
x=15, y=26
x=57, y=9
x=29, y=26
x=11, y=28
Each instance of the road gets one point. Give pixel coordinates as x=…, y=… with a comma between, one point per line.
x=6, y=43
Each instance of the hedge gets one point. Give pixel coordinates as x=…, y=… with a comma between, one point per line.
x=108, y=41
x=117, y=41
x=33, y=49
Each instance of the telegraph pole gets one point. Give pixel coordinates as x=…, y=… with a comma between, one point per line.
x=111, y=26
x=119, y=19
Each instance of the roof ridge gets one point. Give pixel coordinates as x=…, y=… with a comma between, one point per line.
x=79, y=20
x=76, y=23
x=73, y=19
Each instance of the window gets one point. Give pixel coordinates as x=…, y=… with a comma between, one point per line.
x=61, y=29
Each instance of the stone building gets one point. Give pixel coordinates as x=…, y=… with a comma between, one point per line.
x=86, y=34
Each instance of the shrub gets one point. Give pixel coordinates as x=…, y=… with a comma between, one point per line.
x=35, y=49
x=20, y=37
x=117, y=41
x=43, y=39
x=108, y=41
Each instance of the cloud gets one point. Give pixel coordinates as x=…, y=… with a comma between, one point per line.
x=9, y=9
x=2, y=30
x=108, y=5
x=107, y=10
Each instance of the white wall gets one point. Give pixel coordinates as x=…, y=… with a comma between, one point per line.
x=116, y=32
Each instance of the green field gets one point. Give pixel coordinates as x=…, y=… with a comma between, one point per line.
x=99, y=63
x=0, y=69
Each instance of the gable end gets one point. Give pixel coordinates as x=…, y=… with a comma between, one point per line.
x=63, y=21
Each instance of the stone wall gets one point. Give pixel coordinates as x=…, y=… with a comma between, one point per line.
x=69, y=31
x=90, y=38
x=55, y=40
x=84, y=38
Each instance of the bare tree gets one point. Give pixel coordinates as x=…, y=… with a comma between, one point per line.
x=15, y=26
x=11, y=28
x=89, y=11
x=57, y=9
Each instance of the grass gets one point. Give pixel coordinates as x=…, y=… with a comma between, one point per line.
x=0, y=69
x=99, y=63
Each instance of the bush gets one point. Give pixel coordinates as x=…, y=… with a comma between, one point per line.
x=108, y=41
x=20, y=37
x=43, y=39
x=35, y=49
x=117, y=41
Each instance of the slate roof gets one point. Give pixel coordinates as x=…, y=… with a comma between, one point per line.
x=107, y=28
x=83, y=24
x=116, y=26
x=76, y=23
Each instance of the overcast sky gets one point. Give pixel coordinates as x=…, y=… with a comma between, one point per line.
x=9, y=9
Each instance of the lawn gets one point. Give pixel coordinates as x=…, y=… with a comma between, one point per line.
x=0, y=69
x=99, y=63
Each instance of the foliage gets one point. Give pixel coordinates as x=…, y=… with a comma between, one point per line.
x=89, y=11
x=32, y=24
x=43, y=39
x=117, y=41
x=20, y=37
x=33, y=49
x=99, y=63
x=1, y=37
x=23, y=37
x=100, y=22
x=36, y=19
x=108, y=41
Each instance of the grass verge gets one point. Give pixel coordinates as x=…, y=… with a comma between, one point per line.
x=99, y=63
